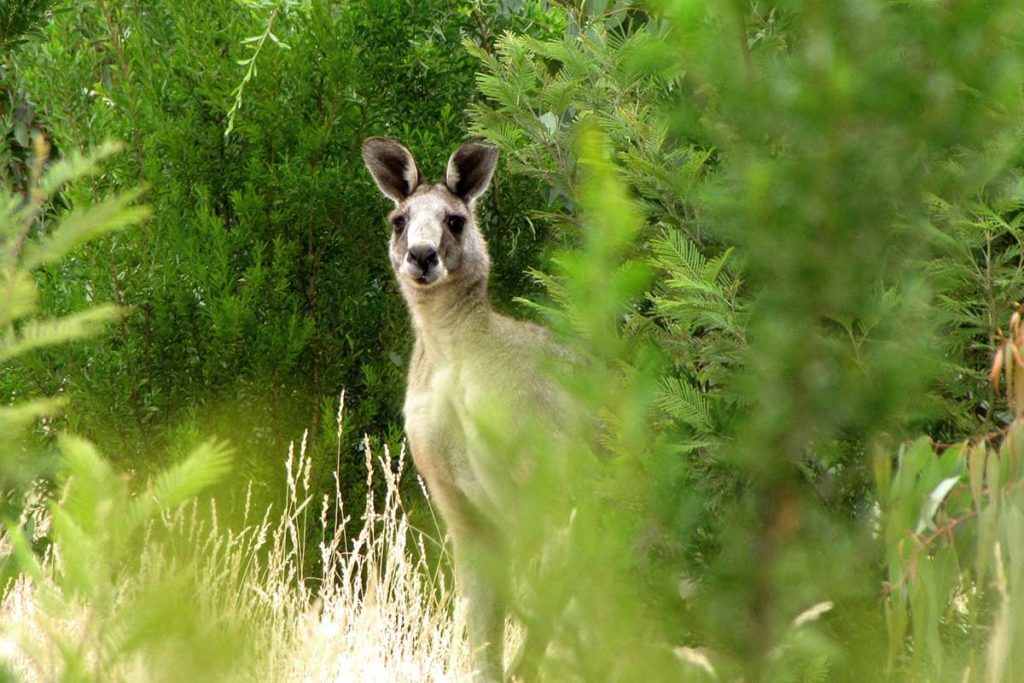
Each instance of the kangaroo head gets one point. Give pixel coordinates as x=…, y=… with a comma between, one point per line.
x=434, y=237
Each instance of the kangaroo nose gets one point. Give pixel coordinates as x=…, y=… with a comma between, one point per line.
x=424, y=256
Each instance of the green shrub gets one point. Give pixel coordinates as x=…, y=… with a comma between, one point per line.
x=815, y=177
x=787, y=233
x=29, y=241
x=260, y=286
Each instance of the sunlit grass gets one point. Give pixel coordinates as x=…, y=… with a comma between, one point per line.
x=379, y=611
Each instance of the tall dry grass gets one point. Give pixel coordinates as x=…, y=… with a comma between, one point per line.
x=377, y=610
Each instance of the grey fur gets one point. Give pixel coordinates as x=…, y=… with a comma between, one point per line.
x=392, y=166
x=466, y=358
x=470, y=169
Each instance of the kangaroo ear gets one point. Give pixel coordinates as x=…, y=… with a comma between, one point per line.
x=470, y=169
x=392, y=166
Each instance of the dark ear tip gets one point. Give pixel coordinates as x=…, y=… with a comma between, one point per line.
x=480, y=141
x=377, y=143
x=480, y=147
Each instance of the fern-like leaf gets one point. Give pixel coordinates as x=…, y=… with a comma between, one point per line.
x=82, y=225
x=41, y=333
x=686, y=403
x=205, y=466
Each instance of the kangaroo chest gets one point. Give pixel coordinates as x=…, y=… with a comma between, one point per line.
x=467, y=405
x=440, y=403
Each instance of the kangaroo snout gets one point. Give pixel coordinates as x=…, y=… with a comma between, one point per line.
x=423, y=256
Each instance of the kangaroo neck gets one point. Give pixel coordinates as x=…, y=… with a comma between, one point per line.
x=448, y=317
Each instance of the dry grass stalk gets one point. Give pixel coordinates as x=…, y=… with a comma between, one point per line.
x=379, y=612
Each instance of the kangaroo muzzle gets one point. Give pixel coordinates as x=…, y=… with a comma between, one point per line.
x=424, y=257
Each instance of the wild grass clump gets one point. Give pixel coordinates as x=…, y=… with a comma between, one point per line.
x=213, y=602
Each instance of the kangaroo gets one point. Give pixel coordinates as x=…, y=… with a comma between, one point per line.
x=466, y=359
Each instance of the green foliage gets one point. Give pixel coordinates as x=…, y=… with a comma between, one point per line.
x=785, y=236
x=96, y=521
x=260, y=286
x=587, y=496
x=833, y=224
x=951, y=520
x=601, y=74
x=823, y=187
x=29, y=241
x=255, y=44
x=978, y=270
x=22, y=19
x=97, y=525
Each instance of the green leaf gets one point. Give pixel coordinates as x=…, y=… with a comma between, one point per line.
x=18, y=296
x=82, y=225
x=205, y=466
x=686, y=403
x=935, y=498
x=41, y=333
x=23, y=555
x=91, y=488
x=15, y=418
x=75, y=165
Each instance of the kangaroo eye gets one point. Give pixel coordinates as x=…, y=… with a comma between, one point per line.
x=456, y=224
x=398, y=223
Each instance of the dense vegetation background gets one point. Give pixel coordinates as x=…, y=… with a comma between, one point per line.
x=257, y=291
x=786, y=235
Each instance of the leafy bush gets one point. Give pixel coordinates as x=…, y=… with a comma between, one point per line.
x=93, y=522
x=260, y=286
x=30, y=241
x=787, y=236
x=826, y=275
x=951, y=521
x=541, y=94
